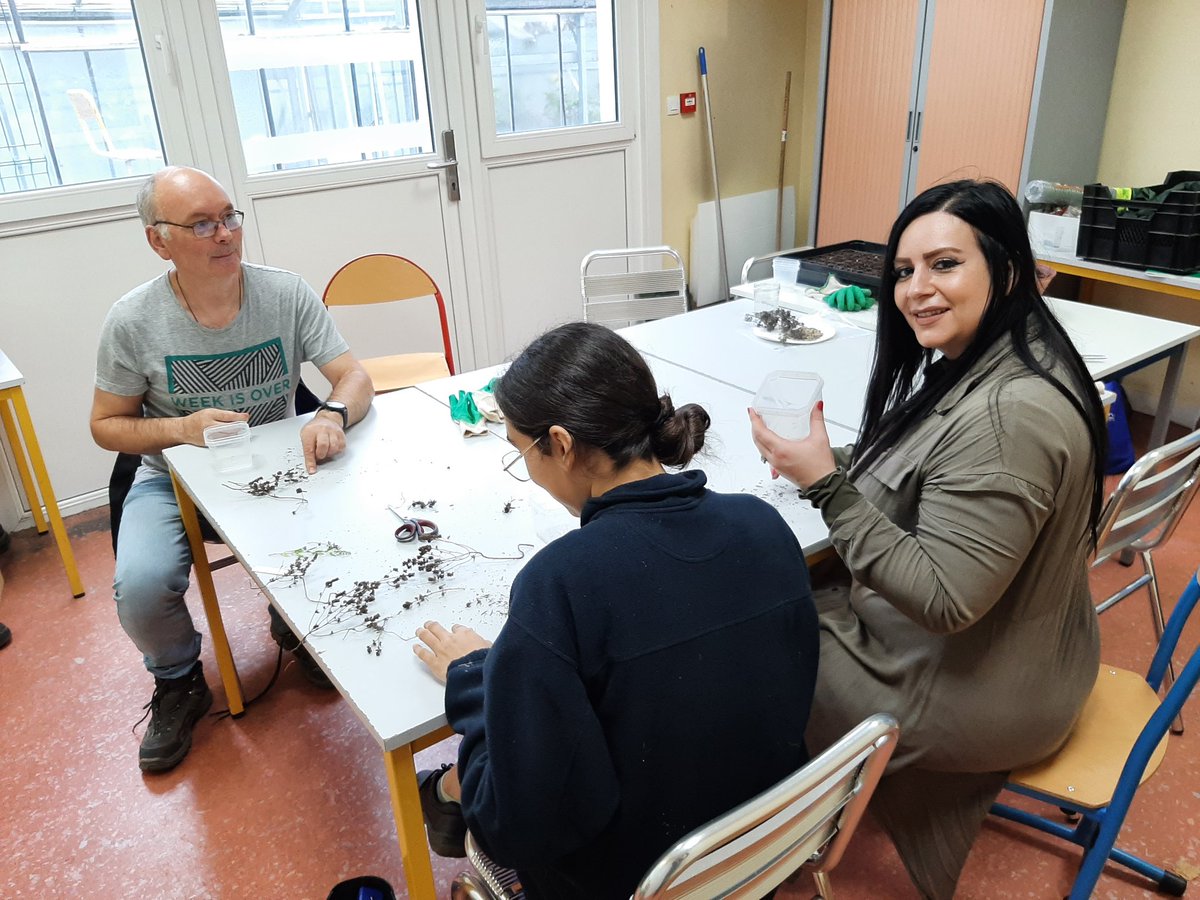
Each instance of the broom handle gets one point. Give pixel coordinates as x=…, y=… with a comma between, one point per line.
x=712, y=153
x=787, y=93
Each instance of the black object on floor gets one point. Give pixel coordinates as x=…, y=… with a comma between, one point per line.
x=364, y=887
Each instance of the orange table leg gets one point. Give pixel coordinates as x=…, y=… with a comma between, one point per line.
x=17, y=397
x=14, y=441
x=406, y=807
x=212, y=610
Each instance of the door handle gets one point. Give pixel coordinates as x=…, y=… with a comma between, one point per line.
x=908, y=128
x=917, y=134
x=448, y=164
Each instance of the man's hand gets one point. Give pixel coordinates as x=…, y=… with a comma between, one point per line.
x=439, y=647
x=802, y=462
x=321, y=438
x=195, y=423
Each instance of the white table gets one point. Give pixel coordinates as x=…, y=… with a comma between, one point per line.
x=729, y=459
x=1091, y=270
x=18, y=425
x=717, y=341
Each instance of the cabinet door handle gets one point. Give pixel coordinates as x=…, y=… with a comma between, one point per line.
x=917, y=136
x=908, y=128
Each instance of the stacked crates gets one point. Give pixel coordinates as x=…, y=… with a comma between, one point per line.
x=1165, y=237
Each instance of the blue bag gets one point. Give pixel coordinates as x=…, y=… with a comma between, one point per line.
x=1120, y=442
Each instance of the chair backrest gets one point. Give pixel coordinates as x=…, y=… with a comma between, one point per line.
x=1150, y=499
x=646, y=289
x=805, y=820
x=384, y=278
x=91, y=122
x=753, y=261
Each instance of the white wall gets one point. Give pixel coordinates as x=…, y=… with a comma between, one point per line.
x=55, y=289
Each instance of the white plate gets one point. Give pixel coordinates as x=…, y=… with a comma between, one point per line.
x=826, y=328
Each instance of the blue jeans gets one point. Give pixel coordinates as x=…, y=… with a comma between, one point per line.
x=153, y=565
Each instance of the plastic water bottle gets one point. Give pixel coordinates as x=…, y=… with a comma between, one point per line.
x=1051, y=193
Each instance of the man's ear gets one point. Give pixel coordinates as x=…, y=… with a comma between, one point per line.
x=157, y=242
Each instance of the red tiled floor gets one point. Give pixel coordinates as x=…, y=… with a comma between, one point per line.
x=292, y=798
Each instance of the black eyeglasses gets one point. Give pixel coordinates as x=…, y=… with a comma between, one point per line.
x=206, y=229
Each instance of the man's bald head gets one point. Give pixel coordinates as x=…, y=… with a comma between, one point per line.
x=167, y=177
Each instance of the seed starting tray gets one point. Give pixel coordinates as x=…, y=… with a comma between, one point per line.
x=850, y=262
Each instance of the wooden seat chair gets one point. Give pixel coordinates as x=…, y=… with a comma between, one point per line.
x=643, y=289
x=1142, y=514
x=387, y=278
x=802, y=823
x=1117, y=744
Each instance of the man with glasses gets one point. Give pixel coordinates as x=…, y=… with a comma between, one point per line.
x=211, y=340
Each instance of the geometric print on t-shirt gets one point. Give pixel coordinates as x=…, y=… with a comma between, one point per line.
x=254, y=380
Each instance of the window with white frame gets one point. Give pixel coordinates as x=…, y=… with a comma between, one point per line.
x=318, y=82
x=75, y=103
x=553, y=63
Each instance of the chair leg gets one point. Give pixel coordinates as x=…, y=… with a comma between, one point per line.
x=1156, y=612
x=824, y=887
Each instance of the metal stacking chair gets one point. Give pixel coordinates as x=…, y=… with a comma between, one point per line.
x=633, y=293
x=1142, y=514
x=1118, y=743
x=386, y=278
x=803, y=822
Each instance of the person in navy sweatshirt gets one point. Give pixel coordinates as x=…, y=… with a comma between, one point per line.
x=657, y=665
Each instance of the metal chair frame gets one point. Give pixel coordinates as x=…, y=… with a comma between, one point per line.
x=755, y=260
x=1142, y=513
x=636, y=295
x=1128, y=744
x=802, y=823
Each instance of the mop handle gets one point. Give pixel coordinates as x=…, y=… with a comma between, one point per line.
x=712, y=152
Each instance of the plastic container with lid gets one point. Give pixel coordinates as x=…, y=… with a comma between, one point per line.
x=230, y=446
x=785, y=401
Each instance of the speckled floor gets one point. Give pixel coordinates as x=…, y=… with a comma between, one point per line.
x=259, y=810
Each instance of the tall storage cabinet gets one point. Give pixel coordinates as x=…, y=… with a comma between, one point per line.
x=919, y=92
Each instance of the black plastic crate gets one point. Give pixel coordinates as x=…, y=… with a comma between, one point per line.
x=1168, y=240
x=851, y=262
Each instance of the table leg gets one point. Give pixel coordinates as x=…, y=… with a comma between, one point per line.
x=212, y=610
x=410, y=825
x=14, y=441
x=47, y=491
x=1166, y=400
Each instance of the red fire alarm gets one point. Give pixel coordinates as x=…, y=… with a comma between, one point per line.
x=687, y=103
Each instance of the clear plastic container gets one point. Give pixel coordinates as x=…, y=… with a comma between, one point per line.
x=785, y=269
x=230, y=446
x=766, y=295
x=785, y=401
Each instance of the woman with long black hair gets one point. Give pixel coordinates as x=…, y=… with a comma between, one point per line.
x=965, y=516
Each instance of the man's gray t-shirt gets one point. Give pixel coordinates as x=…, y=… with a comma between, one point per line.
x=150, y=347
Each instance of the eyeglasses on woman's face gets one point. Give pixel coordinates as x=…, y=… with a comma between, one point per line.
x=514, y=463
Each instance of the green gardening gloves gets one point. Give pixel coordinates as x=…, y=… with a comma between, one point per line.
x=472, y=410
x=466, y=414
x=850, y=298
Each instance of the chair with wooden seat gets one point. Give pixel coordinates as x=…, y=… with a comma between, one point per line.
x=387, y=278
x=1117, y=744
x=95, y=132
x=638, y=284
x=1141, y=515
x=803, y=823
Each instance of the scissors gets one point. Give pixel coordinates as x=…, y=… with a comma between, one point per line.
x=414, y=529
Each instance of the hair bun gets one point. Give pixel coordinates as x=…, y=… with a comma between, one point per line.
x=666, y=412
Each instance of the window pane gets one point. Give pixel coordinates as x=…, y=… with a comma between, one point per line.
x=75, y=102
x=553, y=63
x=360, y=93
